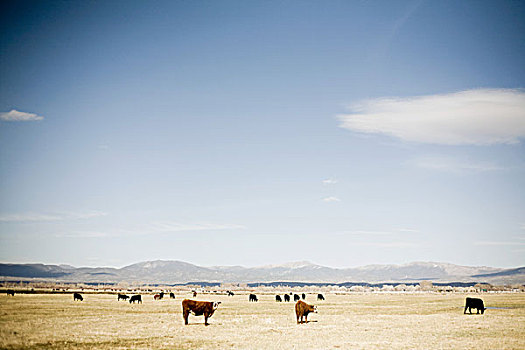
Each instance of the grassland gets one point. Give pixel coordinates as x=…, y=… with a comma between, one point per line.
x=355, y=321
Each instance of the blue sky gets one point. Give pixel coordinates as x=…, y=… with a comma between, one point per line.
x=248, y=133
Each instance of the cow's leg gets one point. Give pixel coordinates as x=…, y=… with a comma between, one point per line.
x=206, y=319
x=306, y=318
x=185, y=314
x=477, y=311
x=465, y=311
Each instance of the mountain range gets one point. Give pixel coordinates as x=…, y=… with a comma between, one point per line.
x=173, y=272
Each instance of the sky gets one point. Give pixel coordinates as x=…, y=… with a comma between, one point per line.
x=344, y=133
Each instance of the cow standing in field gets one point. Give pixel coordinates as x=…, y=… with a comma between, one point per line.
x=77, y=296
x=320, y=297
x=474, y=303
x=303, y=309
x=253, y=297
x=136, y=298
x=161, y=295
x=230, y=294
x=156, y=297
x=172, y=296
x=122, y=297
x=303, y=296
x=286, y=297
x=296, y=297
x=278, y=298
x=10, y=292
x=198, y=308
x=194, y=293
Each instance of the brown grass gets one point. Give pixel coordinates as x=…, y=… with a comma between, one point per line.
x=356, y=321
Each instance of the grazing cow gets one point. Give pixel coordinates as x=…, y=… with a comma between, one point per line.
x=296, y=297
x=286, y=297
x=278, y=298
x=77, y=296
x=157, y=297
x=172, y=296
x=303, y=309
x=230, y=294
x=136, y=298
x=320, y=297
x=198, y=308
x=474, y=303
x=161, y=295
x=194, y=294
x=122, y=297
x=10, y=292
x=253, y=297
x=303, y=296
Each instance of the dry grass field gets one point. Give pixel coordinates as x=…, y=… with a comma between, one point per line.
x=355, y=321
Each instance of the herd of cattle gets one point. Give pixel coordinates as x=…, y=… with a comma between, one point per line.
x=207, y=308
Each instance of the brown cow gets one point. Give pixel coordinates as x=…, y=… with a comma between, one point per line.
x=198, y=308
x=303, y=309
x=157, y=297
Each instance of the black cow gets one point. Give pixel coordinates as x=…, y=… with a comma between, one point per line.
x=230, y=294
x=278, y=298
x=296, y=297
x=136, y=298
x=286, y=297
x=172, y=296
x=304, y=296
x=122, y=297
x=253, y=297
x=320, y=297
x=474, y=303
x=77, y=296
x=10, y=292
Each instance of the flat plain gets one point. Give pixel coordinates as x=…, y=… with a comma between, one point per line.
x=349, y=321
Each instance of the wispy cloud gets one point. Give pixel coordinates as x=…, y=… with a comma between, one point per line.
x=471, y=117
x=407, y=230
x=499, y=243
x=330, y=181
x=42, y=217
x=454, y=165
x=367, y=233
x=398, y=244
x=17, y=116
x=331, y=199
x=177, y=226
x=150, y=229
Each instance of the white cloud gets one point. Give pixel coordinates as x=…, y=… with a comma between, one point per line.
x=471, y=117
x=330, y=181
x=455, y=165
x=331, y=199
x=17, y=116
x=39, y=217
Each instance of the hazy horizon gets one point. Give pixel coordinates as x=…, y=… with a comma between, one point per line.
x=346, y=133
x=256, y=266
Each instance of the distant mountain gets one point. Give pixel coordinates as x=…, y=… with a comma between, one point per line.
x=171, y=272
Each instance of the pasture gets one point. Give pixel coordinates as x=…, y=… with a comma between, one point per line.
x=353, y=321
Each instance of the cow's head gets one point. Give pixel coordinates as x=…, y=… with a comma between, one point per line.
x=216, y=305
x=315, y=309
